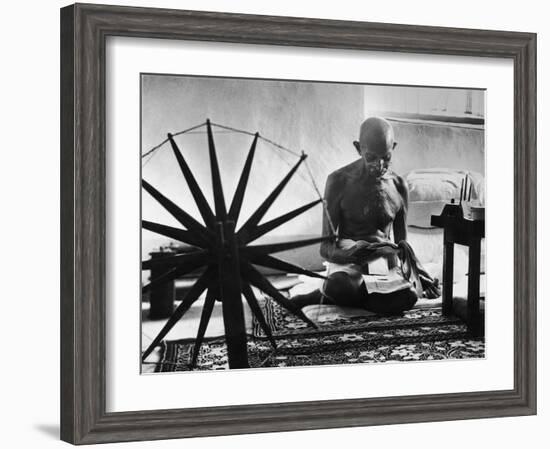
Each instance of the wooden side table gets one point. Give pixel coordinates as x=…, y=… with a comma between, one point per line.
x=459, y=230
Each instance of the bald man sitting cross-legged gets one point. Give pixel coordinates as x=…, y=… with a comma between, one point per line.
x=364, y=200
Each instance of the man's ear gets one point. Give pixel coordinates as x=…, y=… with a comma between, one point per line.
x=357, y=147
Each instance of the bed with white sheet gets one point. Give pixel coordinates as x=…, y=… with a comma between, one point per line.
x=429, y=191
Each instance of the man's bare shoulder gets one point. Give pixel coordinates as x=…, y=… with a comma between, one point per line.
x=345, y=173
x=400, y=182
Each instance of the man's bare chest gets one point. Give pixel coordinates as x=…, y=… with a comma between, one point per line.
x=376, y=203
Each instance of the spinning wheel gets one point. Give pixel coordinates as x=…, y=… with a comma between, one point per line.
x=224, y=254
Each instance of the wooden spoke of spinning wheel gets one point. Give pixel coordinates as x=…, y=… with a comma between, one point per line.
x=219, y=200
x=256, y=217
x=213, y=293
x=186, y=259
x=174, y=233
x=198, y=196
x=280, y=265
x=260, y=281
x=169, y=276
x=285, y=246
x=179, y=214
x=183, y=268
x=192, y=295
x=238, y=197
x=276, y=222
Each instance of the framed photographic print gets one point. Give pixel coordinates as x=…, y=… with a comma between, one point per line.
x=274, y=223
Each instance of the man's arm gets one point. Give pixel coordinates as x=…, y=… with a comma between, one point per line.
x=330, y=250
x=400, y=222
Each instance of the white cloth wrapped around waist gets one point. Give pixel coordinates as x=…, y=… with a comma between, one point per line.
x=380, y=279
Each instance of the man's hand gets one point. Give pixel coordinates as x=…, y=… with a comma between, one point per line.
x=430, y=287
x=364, y=252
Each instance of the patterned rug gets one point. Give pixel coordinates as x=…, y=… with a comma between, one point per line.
x=421, y=334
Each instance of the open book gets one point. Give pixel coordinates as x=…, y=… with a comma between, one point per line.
x=392, y=281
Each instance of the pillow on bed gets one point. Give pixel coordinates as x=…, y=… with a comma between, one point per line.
x=431, y=189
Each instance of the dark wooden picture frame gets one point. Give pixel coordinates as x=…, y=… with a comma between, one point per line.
x=84, y=29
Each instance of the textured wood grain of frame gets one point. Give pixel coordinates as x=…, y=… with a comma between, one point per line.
x=84, y=418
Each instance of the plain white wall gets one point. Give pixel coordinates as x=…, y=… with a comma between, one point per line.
x=30, y=226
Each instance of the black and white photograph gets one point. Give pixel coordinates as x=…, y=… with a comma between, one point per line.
x=300, y=223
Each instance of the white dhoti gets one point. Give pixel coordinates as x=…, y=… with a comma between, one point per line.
x=380, y=278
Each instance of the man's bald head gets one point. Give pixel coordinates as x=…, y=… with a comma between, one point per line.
x=376, y=144
x=376, y=136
